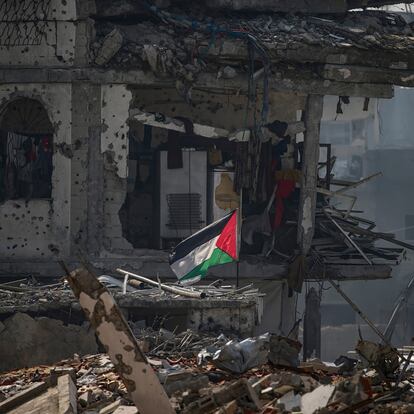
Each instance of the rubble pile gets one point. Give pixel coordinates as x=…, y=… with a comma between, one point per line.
x=207, y=374
x=30, y=295
x=182, y=45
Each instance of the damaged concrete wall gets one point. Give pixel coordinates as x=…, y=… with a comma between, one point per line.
x=86, y=101
x=115, y=103
x=219, y=110
x=33, y=228
x=222, y=110
x=38, y=33
x=27, y=341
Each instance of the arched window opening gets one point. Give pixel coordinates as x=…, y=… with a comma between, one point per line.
x=26, y=151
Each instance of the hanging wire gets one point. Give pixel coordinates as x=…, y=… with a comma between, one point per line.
x=255, y=47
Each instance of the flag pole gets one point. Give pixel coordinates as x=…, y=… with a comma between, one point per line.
x=239, y=226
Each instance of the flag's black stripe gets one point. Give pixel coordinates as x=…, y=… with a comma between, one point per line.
x=199, y=238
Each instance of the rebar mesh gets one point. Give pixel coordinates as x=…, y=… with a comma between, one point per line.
x=23, y=22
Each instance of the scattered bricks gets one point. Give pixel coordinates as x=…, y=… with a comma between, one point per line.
x=184, y=381
x=240, y=390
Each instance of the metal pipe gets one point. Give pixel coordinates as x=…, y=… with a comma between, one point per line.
x=349, y=239
x=371, y=324
x=178, y=291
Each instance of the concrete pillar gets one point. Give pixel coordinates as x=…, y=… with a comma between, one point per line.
x=309, y=180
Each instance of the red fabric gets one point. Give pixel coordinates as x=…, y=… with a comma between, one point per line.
x=45, y=143
x=284, y=189
x=228, y=237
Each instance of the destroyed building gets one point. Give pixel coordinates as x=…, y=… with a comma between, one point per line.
x=127, y=126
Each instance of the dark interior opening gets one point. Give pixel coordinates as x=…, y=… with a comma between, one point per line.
x=26, y=151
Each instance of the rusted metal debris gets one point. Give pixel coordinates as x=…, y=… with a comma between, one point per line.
x=115, y=335
x=172, y=289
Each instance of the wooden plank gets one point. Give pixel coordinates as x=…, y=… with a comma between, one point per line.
x=115, y=335
x=376, y=235
x=309, y=178
x=23, y=396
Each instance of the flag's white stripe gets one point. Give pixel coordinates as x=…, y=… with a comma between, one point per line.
x=187, y=282
x=197, y=256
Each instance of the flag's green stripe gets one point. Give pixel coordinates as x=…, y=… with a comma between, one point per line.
x=217, y=258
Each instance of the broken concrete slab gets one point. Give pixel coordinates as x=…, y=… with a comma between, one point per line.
x=317, y=399
x=114, y=333
x=291, y=401
x=23, y=396
x=284, y=351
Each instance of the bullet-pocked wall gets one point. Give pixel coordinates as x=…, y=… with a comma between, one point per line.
x=115, y=104
x=39, y=228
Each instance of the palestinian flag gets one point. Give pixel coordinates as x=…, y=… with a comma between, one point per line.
x=214, y=245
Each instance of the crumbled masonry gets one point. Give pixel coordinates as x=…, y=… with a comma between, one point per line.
x=196, y=198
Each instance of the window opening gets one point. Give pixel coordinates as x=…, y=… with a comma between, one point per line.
x=26, y=151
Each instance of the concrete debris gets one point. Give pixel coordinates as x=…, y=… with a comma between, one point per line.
x=284, y=351
x=196, y=373
x=30, y=341
x=317, y=399
x=180, y=46
x=239, y=357
x=115, y=335
x=150, y=54
x=381, y=357
x=345, y=364
x=227, y=73
x=194, y=388
x=186, y=344
x=110, y=46
x=291, y=401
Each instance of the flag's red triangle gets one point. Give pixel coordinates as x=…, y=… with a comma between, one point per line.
x=228, y=237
